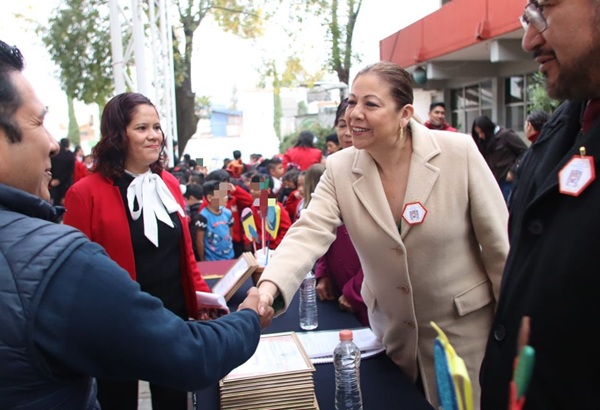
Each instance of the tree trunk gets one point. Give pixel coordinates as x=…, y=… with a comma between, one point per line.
x=73, y=133
x=187, y=120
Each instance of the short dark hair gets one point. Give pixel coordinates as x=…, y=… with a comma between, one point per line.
x=271, y=163
x=64, y=143
x=111, y=151
x=237, y=154
x=537, y=119
x=11, y=61
x=194, y=190
x=332, y=138
x=437, y=104
x=209, y=187
x=219, y=175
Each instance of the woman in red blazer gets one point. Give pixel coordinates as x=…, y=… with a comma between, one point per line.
x=135, y=209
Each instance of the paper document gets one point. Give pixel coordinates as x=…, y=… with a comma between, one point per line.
x=319, y=345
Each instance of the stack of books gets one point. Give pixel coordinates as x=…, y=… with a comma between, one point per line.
x=278, y=376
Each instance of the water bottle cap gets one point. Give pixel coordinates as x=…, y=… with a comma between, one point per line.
x=345, y=335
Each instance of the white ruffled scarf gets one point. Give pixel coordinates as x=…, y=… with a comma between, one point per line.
x=152, y=195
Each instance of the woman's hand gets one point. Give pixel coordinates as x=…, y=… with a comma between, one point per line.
x=325, y=289
x=344, y=305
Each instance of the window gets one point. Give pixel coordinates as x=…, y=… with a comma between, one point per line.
x=517, y=103
x=468, y=103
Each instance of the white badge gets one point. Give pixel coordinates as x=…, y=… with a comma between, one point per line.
x=577, y=174
x=414, y=213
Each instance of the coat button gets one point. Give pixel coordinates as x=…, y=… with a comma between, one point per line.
x=536, y=227
x=499, y=333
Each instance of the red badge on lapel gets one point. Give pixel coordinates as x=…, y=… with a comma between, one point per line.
x=414, y=213
x=577, y=174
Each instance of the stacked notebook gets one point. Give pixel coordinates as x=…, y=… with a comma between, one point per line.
x=278, y=376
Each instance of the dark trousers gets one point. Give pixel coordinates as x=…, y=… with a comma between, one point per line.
x=124, y=396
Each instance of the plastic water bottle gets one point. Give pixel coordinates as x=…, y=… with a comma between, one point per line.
x=308, y=302
x=346, y=360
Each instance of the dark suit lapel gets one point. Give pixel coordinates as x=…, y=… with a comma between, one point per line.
x=564, y=141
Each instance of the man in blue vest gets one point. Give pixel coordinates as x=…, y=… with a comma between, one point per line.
x=69, y=313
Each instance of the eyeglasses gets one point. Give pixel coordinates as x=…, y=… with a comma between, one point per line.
x=532, y=15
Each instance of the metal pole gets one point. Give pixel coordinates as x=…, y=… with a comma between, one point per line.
x=138, y=41
x=116, y=42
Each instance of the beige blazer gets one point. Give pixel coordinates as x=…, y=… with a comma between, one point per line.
x=446, y=269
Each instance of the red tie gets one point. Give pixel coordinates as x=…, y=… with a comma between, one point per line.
x=592, y=111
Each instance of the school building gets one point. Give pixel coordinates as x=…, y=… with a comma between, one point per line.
x=468, y=54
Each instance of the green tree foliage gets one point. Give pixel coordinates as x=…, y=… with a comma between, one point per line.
x=78, y=39
x=538, y=95
x=288, y=78
x=243, y=18
x=339, y=19
x=307, y=125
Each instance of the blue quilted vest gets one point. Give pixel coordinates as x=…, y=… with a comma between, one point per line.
x=31, y=250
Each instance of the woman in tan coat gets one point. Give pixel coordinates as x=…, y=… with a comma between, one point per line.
x=428, y=222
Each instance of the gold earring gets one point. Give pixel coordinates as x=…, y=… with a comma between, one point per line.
x=401, y=134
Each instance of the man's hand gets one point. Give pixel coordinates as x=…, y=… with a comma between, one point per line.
x=325, y=289
x=252, y=302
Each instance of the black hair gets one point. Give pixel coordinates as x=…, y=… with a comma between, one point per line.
x=537, y=119
x=11, y=61
x=332, y=138
x=437, y=104
x=194, y=190
x=218, y=175
x=237, y=154
x=341, y=111
x=209, y=187
x=64, y=143
x=486, y=125
x=305, y=139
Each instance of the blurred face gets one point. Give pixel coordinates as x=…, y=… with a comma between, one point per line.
x=277, y=171
x=480, y=133
x=374, y=118
x=219, y=197
x=145, y=139
x=301, y=185
x=568, y=51
x=343, y=133
x=26, y=164
x=332, y=147
x=438, y=115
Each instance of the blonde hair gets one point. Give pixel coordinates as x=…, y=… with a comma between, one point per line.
x=311, y=178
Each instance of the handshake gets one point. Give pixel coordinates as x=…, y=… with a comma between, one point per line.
x=252, y=302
